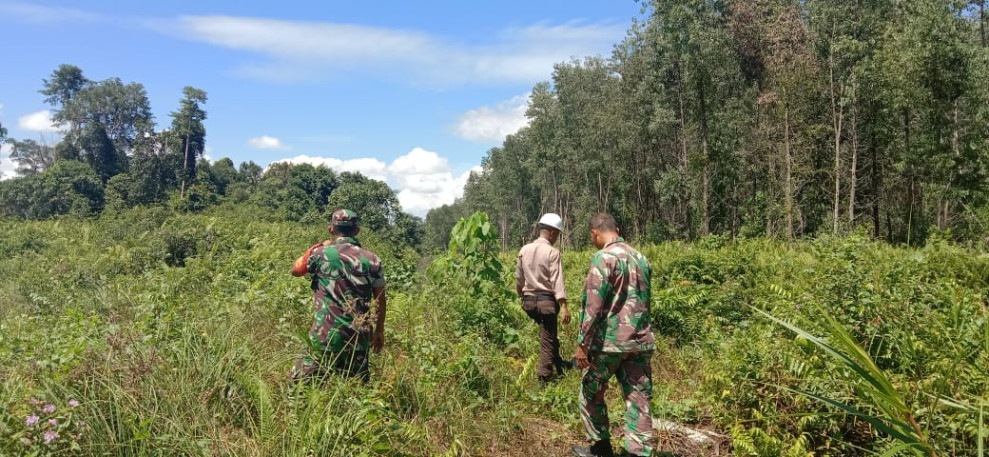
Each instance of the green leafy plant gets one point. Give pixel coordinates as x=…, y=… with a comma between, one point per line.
x=896, y=418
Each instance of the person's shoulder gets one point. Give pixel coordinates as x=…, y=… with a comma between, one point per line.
x=368, y=254
x=318, y=249
x=633, y=252
x=544, y=245
x=632, y=249
x=603, y=255
x=533, y=247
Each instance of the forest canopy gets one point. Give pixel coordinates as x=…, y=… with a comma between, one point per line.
x=757, y=118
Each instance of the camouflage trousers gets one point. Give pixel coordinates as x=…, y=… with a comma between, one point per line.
x=634, y=373
x=351, y=362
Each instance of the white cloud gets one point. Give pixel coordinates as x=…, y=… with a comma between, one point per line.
x=38, y=122
x=422, y=179
x=7, y=166
x=433, y=191
x=46, y=15
x=294, y=50
x=267, y=142
x=419, y=162
x=494, y=124
x=372, y=168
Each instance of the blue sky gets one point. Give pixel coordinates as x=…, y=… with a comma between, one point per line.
x=413, y=93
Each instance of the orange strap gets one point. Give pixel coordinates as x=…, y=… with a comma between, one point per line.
x=300, y=266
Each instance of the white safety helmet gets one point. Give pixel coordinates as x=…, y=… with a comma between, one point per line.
x=552, y=220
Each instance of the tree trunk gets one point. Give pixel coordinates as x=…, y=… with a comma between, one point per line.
x=735, y=223
x=639, y=210
x=954, y=131
x=503, y=223
x=910, y=173
x=706, y=172
x=947, y=212
x=185, y=166
x=982, y=21
x=768, y=184
x=556, y=191
x=853, y=178
x=942, y=220
x=877, y=189
x=836, y=119
x=683, y=202
x=788, y=190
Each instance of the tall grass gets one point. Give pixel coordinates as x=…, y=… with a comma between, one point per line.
x=191, y=356
x=176, y=333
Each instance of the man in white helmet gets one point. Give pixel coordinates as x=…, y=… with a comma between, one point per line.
x=539, y=282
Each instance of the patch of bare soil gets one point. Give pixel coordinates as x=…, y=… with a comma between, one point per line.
x=541, y=437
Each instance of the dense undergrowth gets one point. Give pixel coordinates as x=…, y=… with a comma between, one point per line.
x=175, y=334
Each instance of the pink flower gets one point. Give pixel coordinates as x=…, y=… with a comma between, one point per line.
x=50, y=436
x=53, y=422
x=48, y=409
x=31, y=420
x=73, y=402
x=34, y=401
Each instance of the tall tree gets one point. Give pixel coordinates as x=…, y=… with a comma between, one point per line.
x=224, y=174
x=103, y=118
x=68, y=187
x=759, y=117
x=373, y=200
x=64, y=83
x=187, y=123
x=31, y=157
x=249, y=172
x=99, y=152
x=439, y=222
x=3, y=139
x=693, y=55
x=121, y=110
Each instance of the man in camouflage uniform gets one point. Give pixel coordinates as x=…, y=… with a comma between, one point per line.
x=345, y=277
x=615, y=338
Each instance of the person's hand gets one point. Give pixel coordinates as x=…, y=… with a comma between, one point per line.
x=580, y=355
x=377, y=341
x=565, y=315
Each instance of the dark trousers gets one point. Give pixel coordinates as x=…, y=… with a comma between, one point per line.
x=543, y=309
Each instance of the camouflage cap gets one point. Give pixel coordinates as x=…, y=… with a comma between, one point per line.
x=345, y=218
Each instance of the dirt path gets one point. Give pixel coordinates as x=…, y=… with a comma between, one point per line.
x=547, y=438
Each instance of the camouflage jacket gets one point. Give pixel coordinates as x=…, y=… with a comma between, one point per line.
x=343, y=276
x=615, y=309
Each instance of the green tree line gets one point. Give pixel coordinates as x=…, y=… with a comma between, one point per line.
x=778, y=118
x=112, y=157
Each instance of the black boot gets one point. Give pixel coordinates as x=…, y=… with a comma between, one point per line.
x=600, y=448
